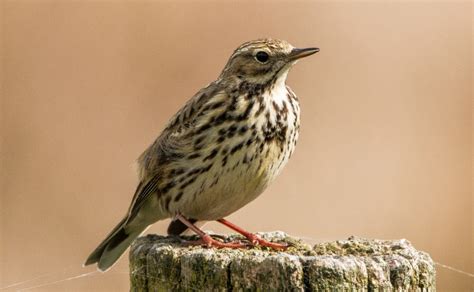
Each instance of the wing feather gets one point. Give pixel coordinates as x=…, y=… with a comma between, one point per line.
x=175, y=142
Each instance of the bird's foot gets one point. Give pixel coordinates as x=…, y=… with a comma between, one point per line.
x=256, y=240
x=208, y=241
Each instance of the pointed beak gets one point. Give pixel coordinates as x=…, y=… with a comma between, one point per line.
x=296, y=53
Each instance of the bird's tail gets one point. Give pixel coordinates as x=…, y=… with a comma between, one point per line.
x=110, y=250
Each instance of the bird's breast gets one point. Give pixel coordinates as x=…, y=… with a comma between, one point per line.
x=241, y=157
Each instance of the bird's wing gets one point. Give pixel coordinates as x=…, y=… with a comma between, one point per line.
x=175, y=142
x=143, y=191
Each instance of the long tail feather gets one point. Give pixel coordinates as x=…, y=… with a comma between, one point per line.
x=115, y=244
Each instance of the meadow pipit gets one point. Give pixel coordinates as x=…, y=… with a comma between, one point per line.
x=219, y=152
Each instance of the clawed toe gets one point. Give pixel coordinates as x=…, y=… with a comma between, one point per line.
x=254, y=240
x=258, y=241
x=208, y=241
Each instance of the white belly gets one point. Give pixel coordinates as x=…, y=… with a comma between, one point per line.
x=227, y=189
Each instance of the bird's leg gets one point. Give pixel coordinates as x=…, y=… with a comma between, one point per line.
x=253, y=238
x=206, y=239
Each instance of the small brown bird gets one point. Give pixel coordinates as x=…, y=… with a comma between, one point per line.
x=218, y=153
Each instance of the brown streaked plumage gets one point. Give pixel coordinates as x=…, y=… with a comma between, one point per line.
x=219, y=152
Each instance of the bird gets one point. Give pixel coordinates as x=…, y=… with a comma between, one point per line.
x=219, y=152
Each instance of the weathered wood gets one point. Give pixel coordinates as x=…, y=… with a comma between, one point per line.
x=159, y=263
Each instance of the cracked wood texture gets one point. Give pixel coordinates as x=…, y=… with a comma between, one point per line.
x=159, y=263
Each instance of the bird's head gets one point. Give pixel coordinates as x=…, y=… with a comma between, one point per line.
x=262, y=61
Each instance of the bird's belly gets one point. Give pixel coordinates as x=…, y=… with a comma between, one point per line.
x=228, y=188
x=238, y=160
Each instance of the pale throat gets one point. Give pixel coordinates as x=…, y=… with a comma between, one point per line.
x=278, y=92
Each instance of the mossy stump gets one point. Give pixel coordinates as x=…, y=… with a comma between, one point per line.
x=159, y=263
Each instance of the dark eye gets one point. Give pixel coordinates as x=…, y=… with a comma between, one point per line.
x=262, y=57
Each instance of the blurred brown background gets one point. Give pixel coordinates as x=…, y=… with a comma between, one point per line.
x=385, y=149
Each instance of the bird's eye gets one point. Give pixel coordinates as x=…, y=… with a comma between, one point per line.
x=262, y=57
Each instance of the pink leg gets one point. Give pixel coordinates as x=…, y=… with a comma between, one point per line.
x=206, y=239
x=253, y=238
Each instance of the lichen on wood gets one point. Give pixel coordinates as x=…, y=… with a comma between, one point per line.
x=160, y=263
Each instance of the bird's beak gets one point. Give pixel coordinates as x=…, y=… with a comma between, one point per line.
x=301, y=53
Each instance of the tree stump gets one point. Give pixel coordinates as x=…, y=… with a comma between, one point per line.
x=159, y=263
